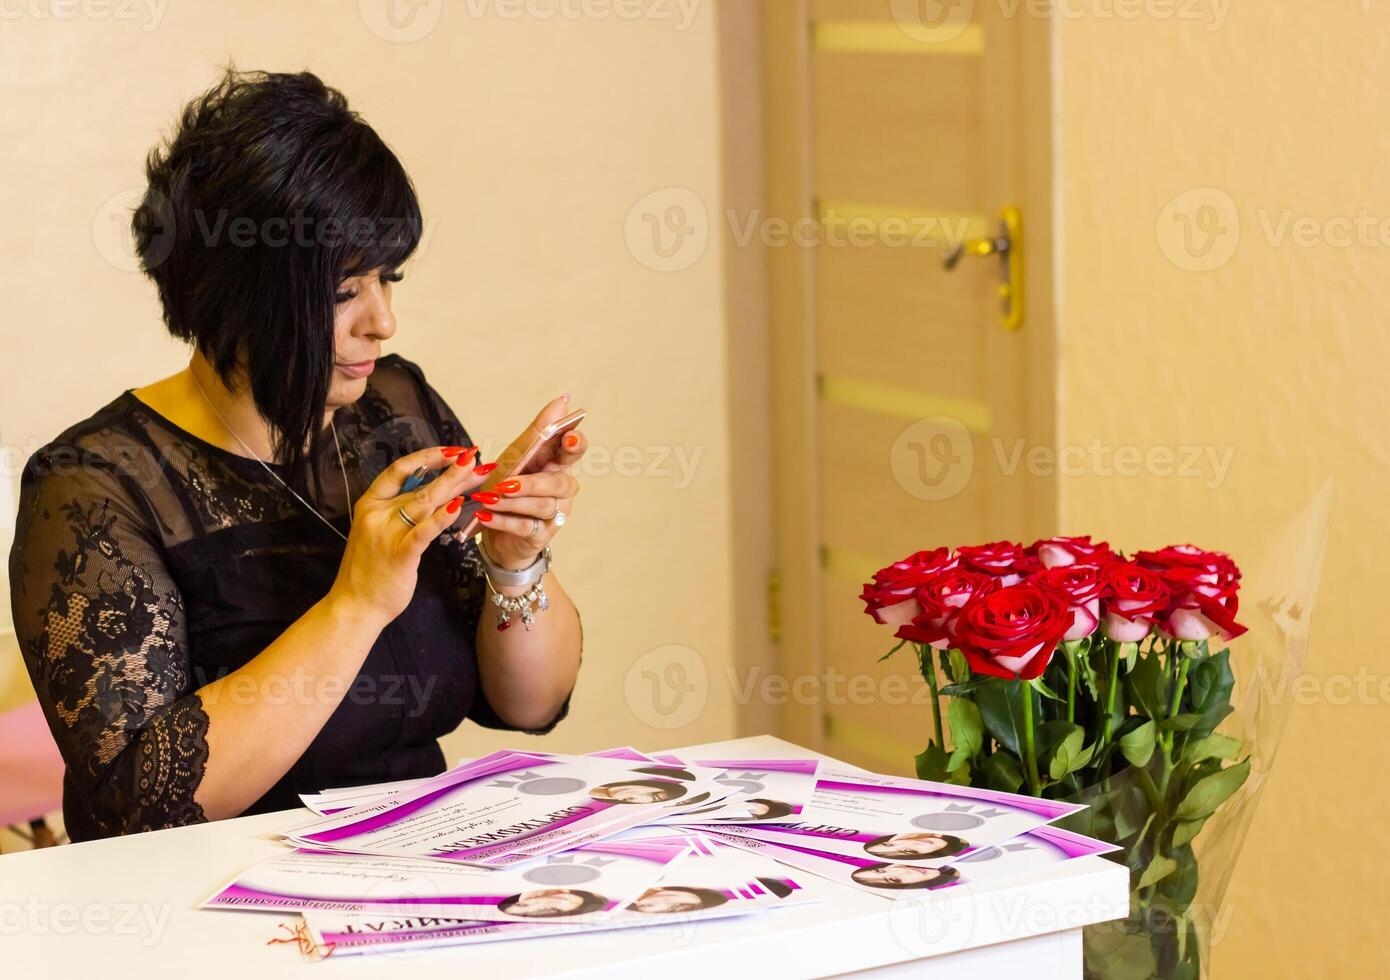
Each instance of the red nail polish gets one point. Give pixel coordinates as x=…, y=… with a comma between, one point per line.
x=571, y=441
x=485, y=516
x=487, y=497
x=453, y=506
x=508, y=486
x=466, y=456
x=451, y=451
x=484, y=469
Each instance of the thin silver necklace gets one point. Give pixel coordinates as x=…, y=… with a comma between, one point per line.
x=347, y=490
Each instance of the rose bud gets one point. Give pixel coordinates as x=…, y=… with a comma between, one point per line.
x=1059, y=551
x=1012, y=632
x=890, y=598
x=941, y=600
x=1081, y=586
x=1135, y=596
x=1004, y=560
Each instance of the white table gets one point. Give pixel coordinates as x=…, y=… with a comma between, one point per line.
x=128, y=908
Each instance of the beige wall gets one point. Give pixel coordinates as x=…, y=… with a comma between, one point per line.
x=531, y=140
x=1278, y=355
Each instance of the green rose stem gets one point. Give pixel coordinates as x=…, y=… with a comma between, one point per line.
x=1109, y=721
x=927, y=664
x=1030, y=758
x=1071, y=680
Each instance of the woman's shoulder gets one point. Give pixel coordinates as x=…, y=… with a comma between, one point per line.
x=97, y=438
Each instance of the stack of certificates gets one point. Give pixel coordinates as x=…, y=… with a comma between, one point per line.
x=524, y=844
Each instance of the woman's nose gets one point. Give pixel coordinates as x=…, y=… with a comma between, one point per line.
x=380, y=322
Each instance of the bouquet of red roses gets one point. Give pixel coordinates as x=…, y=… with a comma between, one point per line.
x=1072, y=671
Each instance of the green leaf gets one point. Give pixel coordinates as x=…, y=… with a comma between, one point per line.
x=960, y=667
x=1210, y=792
x=892, y=651
x=1159, y=868
x=1186, y=830
x=1112, y=953
x=967, y=732
x=1210, y=683
x=931, y=764
x=1087, y=674
x=1001, y=708
x=1003, y=772
x=1138, y=745
x=1147, y=685
x=1046, y=691
x=1211, y=747
x=1180, y=723
x=1067, y=751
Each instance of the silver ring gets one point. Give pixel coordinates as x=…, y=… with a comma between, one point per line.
x=536, y=526
x=553, y=512
x=560, y=517
x=400, y=512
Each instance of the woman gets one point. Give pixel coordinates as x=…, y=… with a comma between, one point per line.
x=222, y=595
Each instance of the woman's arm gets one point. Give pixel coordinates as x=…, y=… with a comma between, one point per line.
x=528, y=674
x=100, y=623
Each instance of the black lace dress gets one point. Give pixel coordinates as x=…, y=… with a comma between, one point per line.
x=148, y=563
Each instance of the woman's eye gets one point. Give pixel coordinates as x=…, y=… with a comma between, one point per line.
x=343, y=297
x=392, y=276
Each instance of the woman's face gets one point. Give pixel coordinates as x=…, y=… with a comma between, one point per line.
x=895, y=874
x=908, y=846
x=657, y=900
x=548, y=901
x=634, y=794
x=362, y=322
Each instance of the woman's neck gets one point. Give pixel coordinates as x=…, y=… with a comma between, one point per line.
x=234, y=413
x=197, y=401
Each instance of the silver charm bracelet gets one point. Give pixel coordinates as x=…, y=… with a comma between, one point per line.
x=521, y=605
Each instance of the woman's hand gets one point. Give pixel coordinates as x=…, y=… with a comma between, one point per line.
x=520, y=502
x=378, y=572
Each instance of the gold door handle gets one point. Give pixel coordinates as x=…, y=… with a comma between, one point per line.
x=1008, y=245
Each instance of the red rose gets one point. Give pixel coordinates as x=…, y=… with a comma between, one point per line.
x=1004, y=560
x=890, y=598
x=1013, y=632
x=941, y=600
x=1055, y=552
x=1205, y=587
x=1081, y=586
x=1135, y=597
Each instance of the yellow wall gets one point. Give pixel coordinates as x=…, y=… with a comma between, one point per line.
x=531, y=140
x=1277, y=356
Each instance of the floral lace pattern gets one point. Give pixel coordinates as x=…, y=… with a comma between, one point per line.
x=134, y=573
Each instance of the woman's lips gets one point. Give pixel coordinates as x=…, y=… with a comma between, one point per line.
x=359, y=370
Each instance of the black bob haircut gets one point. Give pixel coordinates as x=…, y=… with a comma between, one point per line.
x=270, y=192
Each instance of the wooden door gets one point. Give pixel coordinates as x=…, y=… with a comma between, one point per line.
x=900, y=399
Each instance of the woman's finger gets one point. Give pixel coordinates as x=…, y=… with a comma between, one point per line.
x=432, y=525
x=520, y=526
x=549, y=484
x=453, y=482
x=390, y=480
x=573, y=445
x=542, y=507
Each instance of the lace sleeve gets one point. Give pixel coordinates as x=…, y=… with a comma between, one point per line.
x=102, y=632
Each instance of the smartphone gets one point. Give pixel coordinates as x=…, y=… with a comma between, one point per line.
x=544, y=448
